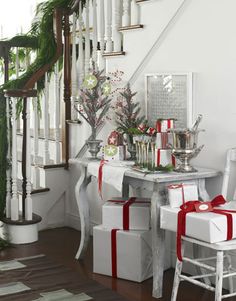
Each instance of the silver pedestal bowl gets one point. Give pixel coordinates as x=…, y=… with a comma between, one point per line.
x=184, y=148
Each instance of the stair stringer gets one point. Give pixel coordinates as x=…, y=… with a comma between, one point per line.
x=54, y=201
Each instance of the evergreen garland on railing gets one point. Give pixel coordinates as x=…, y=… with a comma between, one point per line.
x=40, y=37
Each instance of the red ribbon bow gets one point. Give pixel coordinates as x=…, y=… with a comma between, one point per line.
x=190, y=207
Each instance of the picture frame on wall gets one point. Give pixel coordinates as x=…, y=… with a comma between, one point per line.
x=169, y=95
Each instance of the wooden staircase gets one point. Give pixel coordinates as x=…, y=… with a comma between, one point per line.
x=46, y=177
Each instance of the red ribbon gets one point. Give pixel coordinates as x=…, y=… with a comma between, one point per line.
x=158, y=157
x=102, y=162
x=114, y=252
x=190, y=207
x=169, y=123
x=126, y=206
x=173, y=160
x=158, y=126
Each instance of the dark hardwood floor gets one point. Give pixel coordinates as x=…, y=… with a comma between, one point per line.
x=61, y=245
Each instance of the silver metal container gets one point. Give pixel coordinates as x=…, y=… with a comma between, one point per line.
x=184, y=148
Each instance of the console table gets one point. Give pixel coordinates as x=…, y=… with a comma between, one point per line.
x=156, y=184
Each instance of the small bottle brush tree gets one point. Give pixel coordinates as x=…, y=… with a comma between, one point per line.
x=127, y=113
x=94, y=100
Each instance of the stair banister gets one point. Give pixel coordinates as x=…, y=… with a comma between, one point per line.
x=117, y=22
x=102, y=33
x=109, y=26
x=87, y=38
x=15, y=95
x=74, y=78
x=81, y=62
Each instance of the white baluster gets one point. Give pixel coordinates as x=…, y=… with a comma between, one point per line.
x=81, y=61
x=95, y=33
x=46, y=157
x=126, y=13
x=109, y=27
x=57, y=114
x=102, y=33
x=87, y=38
x=135, y=13
x=8, y=173
x=36, y=174
x=74, y=80
x=28, y=199
x=14, y=199
x=116, y=25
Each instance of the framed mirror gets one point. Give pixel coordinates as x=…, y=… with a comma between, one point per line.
x=169, y=95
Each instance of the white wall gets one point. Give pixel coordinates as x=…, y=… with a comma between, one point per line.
x=200, y=39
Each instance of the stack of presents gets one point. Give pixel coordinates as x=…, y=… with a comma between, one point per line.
x=163, y=138
x=116, y=149
x=211, y=221
x=122, y=243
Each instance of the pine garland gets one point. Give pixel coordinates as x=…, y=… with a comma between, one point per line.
x=40, y=37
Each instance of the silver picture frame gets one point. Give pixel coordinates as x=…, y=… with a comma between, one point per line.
x=169, y=95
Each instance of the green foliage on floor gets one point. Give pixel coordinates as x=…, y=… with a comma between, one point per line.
x=40, y=37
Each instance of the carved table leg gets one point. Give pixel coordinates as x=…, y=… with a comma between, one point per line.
x=158, y=241
x=82, y=202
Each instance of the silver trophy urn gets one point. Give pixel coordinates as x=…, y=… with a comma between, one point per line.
x=184, y=146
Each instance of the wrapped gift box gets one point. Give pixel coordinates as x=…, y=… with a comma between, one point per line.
x=208, y=226
x=113, y=214
x=133, y=254
x=181, y=193
x=162, y=140
x=164, y=157
x=113, y=152
x=163, y=125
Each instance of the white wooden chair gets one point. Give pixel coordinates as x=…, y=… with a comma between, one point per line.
x=218, y=271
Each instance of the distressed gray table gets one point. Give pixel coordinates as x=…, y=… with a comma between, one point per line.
x=156, y=184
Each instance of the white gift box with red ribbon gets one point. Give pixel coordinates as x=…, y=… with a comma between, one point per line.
x=163, y=125
x=164, y=157
x=131, y=214
x=122, y=254
x=206, y=226
x=162, y=140
x=180, y=193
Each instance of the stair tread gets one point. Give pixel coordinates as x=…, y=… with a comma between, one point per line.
x=113, y=53
x=131, y=27
x=33, y=190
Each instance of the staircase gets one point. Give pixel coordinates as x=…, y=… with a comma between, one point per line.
x=45, y=143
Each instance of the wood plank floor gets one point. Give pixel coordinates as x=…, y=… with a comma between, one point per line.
x=61, y=245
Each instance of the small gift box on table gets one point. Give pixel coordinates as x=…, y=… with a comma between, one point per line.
x=122, y=254
x=114, y=152
x=163, y=125
x=180, y=193
x=164, y=157
x=131, y=214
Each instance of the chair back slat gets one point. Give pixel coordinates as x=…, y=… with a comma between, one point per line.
x=231, y=157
